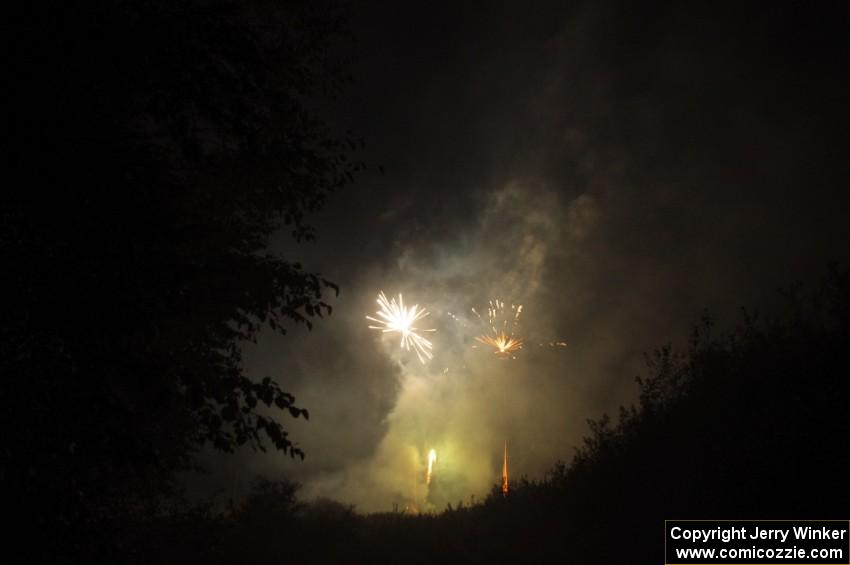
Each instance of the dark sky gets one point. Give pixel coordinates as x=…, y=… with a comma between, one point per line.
x=614, y=167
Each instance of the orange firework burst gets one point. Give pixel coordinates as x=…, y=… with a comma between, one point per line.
x=502, y=325
x=502, y=343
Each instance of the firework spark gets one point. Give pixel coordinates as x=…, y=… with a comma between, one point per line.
x=502, y=325
x=432, y=458
x=394, y=317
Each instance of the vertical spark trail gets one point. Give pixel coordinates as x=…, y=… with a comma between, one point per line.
x=505, y=481
x=432, y=458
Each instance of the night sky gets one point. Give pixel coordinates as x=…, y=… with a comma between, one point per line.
x=615, y=168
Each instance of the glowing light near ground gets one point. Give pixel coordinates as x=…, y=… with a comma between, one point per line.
x=432, y=458
x=394, y=317
x=502, y=326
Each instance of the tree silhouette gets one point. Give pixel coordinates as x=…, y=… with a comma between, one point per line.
x=157, y=146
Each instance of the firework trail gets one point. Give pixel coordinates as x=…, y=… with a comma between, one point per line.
x=505, y=481
x=432, y=458
x=394, y=317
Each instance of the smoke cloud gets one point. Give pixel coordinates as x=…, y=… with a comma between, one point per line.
x=615, y=189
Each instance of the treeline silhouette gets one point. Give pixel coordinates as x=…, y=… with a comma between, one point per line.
x=750, y=424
